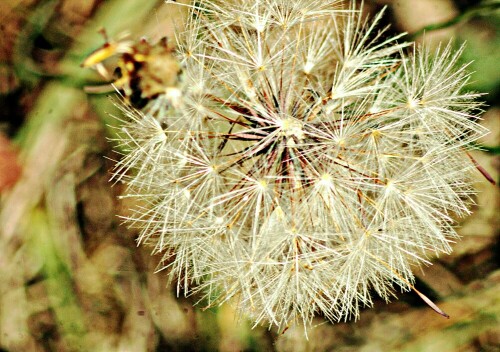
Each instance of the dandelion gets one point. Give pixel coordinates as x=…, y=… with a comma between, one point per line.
x=303, y=162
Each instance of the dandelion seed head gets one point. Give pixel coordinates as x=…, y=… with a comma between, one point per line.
x=303, y=163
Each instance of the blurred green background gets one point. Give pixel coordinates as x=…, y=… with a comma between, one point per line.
x=72, y=278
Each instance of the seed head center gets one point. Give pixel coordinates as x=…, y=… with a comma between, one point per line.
x=291, y=127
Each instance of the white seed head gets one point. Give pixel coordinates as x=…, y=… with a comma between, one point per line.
x=305, y=162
